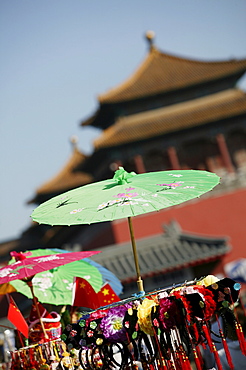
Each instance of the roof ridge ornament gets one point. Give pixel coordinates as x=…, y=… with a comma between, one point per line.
x=150, y=35
x=74, y=141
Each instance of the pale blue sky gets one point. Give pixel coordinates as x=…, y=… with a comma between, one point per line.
x=58, y=55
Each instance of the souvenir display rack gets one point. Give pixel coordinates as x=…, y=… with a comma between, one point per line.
x=51, y=354
x=167, y=329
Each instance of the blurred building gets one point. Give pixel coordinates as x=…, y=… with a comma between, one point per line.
x=171, y=113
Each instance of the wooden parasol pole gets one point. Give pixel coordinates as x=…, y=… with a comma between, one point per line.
x=29, y=283
x=135, y=254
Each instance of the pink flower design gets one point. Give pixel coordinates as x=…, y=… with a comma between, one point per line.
x=126, y=195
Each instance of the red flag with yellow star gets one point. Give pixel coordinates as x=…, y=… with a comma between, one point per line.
x=84, y=295
x=107, y=295
x=16, y=318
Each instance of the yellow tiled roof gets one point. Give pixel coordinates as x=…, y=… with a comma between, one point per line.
x=172, y=118
x=161, y=72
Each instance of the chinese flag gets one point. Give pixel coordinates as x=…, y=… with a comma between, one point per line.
x=107, y=295
x=84, y=295
x=16, y=318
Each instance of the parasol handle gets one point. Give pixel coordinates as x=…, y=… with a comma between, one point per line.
x=134, y=249
x=29, y=283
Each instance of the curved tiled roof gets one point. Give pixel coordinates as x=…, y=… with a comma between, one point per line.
x=179, y=116
x=162, y=253
x=161, y=72
x=68, y=178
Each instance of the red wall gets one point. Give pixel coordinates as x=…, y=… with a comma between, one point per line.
x=223, y=215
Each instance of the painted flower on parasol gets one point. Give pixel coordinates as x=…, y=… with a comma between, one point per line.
x=124, y=196
x=55, y=286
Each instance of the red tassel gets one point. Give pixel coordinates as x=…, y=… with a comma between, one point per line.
x=241, y=338
x=196, y=359
x=207, y=337
x=161, y=364
x=227, y=352
x=217, y=359
x=177, y=360
x=195, y=332
x=198, y=351
x=212, y=347
x=32, y=362
x=225, y=345
x=15, y=365
x=184, y=362
x=170, y=365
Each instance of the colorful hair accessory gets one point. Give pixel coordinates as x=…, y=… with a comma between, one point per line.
x=112, y=324
x=209, y=304
x=225, y=290
x=144, y=316
x=208, y=280
x=168, y=313
x=130, y=323
x=186, y=310
x=94, y=316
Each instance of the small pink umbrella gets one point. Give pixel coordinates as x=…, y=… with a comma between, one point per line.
x=25, y=268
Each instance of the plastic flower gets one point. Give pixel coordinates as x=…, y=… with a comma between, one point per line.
x=90, y=333
x=95, y=316
x=208, y=299
x=208, y=280
x=144, y=316
x=168, y=313
x=112, y=324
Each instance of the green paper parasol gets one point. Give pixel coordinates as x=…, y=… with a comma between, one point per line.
x=124, y=196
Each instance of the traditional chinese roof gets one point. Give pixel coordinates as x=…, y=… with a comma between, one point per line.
x=68, y=178
x=161, y=72
x=163, y=253
x=200, y=111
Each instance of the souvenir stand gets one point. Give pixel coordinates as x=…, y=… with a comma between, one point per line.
x=45, y=349
x=41, y=356
x=166, y=329
x=43, y=327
